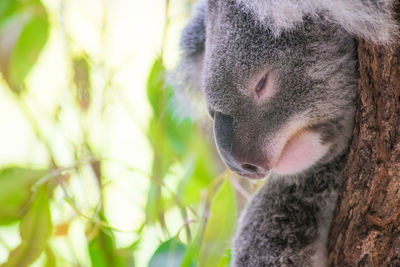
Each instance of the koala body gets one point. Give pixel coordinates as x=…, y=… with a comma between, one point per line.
x=279, y=79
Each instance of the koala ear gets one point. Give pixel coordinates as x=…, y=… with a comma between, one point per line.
x=365, y=19
x=186, y=78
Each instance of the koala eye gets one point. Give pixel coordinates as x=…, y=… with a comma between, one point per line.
x=261, y=84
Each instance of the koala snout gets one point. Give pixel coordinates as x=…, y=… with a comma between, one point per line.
x=223, y=132
x=245, y=162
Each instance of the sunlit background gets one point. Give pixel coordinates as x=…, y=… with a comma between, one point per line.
x=97, y=169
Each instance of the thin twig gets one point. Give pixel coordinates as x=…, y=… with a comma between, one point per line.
x=239, y=187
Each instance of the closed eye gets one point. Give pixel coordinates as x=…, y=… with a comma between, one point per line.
x=262, y=84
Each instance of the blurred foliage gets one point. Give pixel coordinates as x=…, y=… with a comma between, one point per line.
x=23, y=34
x=35, y=229
x=103, y=252
x=16, y=184
x=185, y=177
x=168, y=254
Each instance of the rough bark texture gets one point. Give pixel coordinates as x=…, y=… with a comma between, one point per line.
x=366, y=227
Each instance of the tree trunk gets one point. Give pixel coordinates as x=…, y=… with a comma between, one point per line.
x=366, y=227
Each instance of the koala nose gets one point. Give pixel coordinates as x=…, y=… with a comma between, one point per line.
x=223, y=131
x=236, y=158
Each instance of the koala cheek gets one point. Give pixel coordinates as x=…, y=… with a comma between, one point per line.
x=300, y=153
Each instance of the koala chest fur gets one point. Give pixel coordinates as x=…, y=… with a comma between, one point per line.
x=287, y=222
x=279, y=79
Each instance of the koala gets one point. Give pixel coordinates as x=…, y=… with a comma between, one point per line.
x=279, y=79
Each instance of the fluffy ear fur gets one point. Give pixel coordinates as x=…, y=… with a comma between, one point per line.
x=370, y=19
x=186, y=77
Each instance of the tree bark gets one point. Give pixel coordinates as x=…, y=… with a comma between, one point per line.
x=366, y=227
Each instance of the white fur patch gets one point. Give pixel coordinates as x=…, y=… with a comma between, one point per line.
x=373, y=22
x=300, y=153
x=294, y=149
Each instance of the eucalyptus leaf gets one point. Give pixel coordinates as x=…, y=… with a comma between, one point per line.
x=103, y=252
x=225, y=261
x=35, y=230
x=50, y=258
x=179, y=131
x=156, y=93
x=168, y=254
x=190, y=257
x=15, y=191
x=154, y=204
x=23, y=35
x=171, y=128
x=220, y=226
x=192, y=252
x=7, y=8
x=200, y=170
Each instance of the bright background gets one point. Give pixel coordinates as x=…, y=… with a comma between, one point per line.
x=96, y=166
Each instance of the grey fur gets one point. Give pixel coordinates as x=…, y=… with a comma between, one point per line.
x=282, y=222
x=371, y=20
x=309, y=47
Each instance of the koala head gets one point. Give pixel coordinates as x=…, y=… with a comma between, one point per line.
x=281, y=103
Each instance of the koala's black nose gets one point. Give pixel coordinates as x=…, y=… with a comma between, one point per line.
x=223, y=130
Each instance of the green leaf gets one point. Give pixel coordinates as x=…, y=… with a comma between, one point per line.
x=28, y=47
x=168, y=254
x=7, y=7
x=163, y=154
x=192, y=251
x=50, y=258
x=199, y=172
x=156, y=93
x=203, y=236
x=15, y=191
x=162, y=160
x=35, y=230
x=103, y=252
x=154, y=204
x=126, y=256
x=226, y=259
x=180, y=132
x=177, y=131
x=171, y=137
x=220, y=226
x=22, y=37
